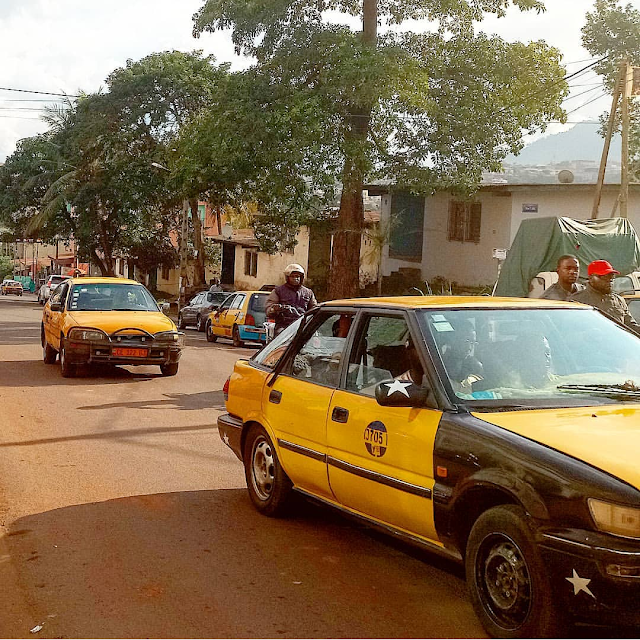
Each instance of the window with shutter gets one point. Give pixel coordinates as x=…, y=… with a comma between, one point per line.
x=464, y=221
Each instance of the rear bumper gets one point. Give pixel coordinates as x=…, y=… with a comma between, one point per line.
x=247, y=332
x=101, y=353
x=596, y=595
x=230, y=430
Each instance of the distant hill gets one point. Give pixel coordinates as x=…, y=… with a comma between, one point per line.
x=580, y=143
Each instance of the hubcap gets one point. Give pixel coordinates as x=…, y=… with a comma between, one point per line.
x=504, y=581
x=262, y=469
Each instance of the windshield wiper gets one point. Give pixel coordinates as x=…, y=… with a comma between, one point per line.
x=626, y=390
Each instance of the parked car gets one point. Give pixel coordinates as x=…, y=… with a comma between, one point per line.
x=107, y=321
x=501, y=432
x=240, y=317
x=52, y=282
x=11, y=286
x=199, y=307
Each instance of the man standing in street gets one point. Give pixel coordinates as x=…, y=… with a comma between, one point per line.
x=290, y=300
x=215, y=285
x=599, y=294
x=568, y=270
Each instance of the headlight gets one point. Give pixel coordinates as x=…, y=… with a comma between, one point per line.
x=170, y=336
x=86, y=334
x=615, y=519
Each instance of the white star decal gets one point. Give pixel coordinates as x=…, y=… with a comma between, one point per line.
x=396, y=385
x=580, y=584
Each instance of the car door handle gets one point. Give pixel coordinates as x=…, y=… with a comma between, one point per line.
x=339, y=414
x=275, y=396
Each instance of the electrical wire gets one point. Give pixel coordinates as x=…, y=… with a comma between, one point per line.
x=46, y=93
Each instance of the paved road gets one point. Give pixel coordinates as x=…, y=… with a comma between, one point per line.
x=123, y=515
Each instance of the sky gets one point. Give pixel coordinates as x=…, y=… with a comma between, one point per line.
x=66, y=46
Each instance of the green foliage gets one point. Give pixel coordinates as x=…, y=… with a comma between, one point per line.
x=612, y=32
x=6, y=267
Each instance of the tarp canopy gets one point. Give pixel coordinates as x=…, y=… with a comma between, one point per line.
x=541, y=241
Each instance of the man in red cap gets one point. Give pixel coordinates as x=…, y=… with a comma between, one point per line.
x=599, y=294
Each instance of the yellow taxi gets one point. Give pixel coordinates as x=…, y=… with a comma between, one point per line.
x=11, y=286
x=107, y=321
x=240, y=317
x=503, y=433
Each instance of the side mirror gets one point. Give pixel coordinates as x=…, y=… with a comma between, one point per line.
x=165, y=306
x=400, y=393
x=56, y=306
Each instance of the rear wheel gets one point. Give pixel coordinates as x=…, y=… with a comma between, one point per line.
x=237, y=342
x=508, y=583
x=67, y=369
x=49, y=354
x=199, y=323
x=211, y=337
x=268, y=485
x=169, y=369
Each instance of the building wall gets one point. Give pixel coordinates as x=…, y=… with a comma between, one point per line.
x=503, y=209
x=270, y=269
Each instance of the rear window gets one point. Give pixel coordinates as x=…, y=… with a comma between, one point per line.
x=258, y=302
x=57, y=279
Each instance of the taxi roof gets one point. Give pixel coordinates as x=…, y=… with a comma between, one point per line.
x=103, y=280
x=426, y=302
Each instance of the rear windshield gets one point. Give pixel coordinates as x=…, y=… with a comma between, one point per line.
x=57, y=279
x=258, y=302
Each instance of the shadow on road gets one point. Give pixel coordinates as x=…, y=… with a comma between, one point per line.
x=206, y=564
x=180, y=401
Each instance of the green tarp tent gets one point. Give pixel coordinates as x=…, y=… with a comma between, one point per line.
x=540, y=242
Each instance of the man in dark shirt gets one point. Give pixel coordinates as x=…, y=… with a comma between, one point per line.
x=599, y=294
x=290, y=300
x=568, y=270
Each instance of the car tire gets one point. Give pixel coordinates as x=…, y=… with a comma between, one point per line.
x=508, y=583
x=169, y=368
x=269, y=486
x=67, y=369
x=181, y=324
x=211, y=337
x=199, y=323
x=235, y=334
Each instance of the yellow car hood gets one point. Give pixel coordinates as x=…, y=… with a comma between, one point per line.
x=606, y=437
x=110, y=321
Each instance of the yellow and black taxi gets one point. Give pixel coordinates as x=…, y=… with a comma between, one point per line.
x=241, y=317
x=504, y=433
x=108, y=321
x=11, y=287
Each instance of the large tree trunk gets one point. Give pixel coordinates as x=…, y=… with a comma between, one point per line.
x=345, y=259
x=105, y=242
x=104, y=271
x=198, y=242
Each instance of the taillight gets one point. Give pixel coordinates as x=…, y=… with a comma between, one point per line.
x=225, y=389
x=250, y=320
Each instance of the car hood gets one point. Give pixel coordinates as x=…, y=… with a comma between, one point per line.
x=110, y=321
x=606, y=437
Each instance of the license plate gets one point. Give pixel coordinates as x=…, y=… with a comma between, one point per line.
x=130, y=353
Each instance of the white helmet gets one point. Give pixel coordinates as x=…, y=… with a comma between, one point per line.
x=293, y=268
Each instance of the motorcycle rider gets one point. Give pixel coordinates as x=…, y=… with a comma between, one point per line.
x=290, y=300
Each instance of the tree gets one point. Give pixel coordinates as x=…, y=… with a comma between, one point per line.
x=612, y=32
x=425, y=110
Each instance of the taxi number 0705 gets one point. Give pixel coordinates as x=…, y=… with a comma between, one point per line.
x=373, y=436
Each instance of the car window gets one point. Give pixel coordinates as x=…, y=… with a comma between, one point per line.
x=238, y=302
x=271, y=353
x=258, y=302
x=634, y=308
x=193, y=301
x=380, y=352
x=200, y=298
x=227, y=303
x=59, y=294
x=320, y=354
x=622, y=284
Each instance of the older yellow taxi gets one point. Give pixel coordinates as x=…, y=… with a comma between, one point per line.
x=108, y=321
x=503, y=433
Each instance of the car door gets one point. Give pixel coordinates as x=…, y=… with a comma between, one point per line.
x=190, y=311
x=233, y=314
x=296, y=405
x=219, y=318
x=380, y=459
x=53, y=320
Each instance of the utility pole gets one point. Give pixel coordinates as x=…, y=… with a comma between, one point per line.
x=183, y=254
x=607, y=143
x=624, y=175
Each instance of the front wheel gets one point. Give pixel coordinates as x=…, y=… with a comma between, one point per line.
x=199, y=323
x=169, y=369
x=237, y=342
x=211, y=337
x=181, y=323
x=268, y=485
x=508, y=583
x=67, y=369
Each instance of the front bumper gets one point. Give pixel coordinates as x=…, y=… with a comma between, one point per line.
x=102, y=352
x=230, y=430
x=580, y=565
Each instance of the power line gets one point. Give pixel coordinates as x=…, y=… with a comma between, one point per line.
x=602, y=95
x=46, y=93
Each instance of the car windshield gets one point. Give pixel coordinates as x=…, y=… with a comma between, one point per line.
x=534, y=357
x=111, y=297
